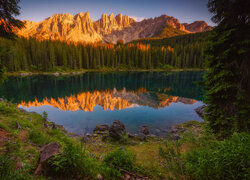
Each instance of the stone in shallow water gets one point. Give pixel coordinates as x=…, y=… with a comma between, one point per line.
x=144, y=130
x=200, y=110
x=101, y=128
x=117, y=129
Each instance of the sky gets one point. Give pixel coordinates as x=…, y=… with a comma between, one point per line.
x=184, y=10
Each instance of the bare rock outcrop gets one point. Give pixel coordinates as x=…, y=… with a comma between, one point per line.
x=46, y=152
x=110, y=28
x=198, y=26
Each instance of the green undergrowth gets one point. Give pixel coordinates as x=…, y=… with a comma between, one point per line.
x=196, y=155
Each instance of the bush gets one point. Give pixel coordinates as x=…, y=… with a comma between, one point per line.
x=121, y=159
x=73, y=163
x=38, y=137
x=230, y=159
x=7, y=170
x=171, y=159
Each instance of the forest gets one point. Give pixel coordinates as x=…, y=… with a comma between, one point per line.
x=33, y=55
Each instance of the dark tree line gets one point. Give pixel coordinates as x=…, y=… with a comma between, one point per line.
x=33, y=55
x=188, y=49
x=228, y=59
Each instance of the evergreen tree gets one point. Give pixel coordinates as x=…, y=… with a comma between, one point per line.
x=228, y=59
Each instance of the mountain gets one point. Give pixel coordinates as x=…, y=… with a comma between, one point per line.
x=197, y=26
x=109, y=28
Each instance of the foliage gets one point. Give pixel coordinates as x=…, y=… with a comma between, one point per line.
x=74, y=163
x=33, y=55
x=171, y=159
x=9, y=9
x=38, y=137
x=229, y=159
x=228, y=60
x=188, y=50
x=122, y=159
x=8, y=172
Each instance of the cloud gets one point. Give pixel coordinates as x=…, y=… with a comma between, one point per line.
x=138, y=19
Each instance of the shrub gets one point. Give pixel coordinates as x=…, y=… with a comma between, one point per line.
x=38, y=137
x=171, y=159
x=229, y=159
x=121, y=159
x=7, y=170
x=73, y=163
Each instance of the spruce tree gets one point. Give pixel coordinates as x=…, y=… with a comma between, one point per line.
x=228, y=60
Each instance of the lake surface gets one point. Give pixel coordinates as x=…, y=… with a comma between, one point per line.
x=79, y=103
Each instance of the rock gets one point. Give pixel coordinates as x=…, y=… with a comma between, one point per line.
x=45, y=125
x=18, y=125
x=152, y=135
x=175, y=137
x=101, y=128
x=157, y=130
x=142, y=136
x=117, y=129
x=127, y=177
x=46, y=152
x=131, y=135
x=144, y=130
x=87, y=135
x=99, y=177
x=200, y=110
x=173, y=130
x=53, y=126
x=19, y=165
x=22, y=110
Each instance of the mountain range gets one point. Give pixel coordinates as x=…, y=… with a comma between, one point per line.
x=109, y=28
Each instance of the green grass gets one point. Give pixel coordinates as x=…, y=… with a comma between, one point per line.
x=197, y=155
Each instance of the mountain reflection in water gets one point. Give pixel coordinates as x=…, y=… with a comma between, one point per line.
x=80, y=102
x=109, y=100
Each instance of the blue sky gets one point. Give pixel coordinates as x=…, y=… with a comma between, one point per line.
x=184, y=10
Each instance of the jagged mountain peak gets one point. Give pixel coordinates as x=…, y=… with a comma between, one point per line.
x=198, y=26
x=81, y=28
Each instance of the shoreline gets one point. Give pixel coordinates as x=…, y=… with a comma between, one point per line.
x=63, y=73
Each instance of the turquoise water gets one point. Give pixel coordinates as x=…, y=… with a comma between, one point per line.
x=79, y=103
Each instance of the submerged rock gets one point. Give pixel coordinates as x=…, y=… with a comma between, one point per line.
x=117, y=129
x=144, y=130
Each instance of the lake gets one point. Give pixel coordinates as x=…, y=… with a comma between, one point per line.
x=80, y=102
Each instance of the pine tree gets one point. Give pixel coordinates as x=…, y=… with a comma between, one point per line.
x=228, y=60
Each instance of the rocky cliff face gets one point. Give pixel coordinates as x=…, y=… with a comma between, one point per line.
x=81, y=28
x=144, y=29
x=197, y=26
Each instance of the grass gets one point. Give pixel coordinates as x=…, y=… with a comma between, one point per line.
x=197, y=155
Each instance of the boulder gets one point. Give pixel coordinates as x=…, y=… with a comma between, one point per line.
x=46, y=152
x=144, y=130
x=200, y=111
x=175, y=137
x=117, y=129
x=100, y=129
